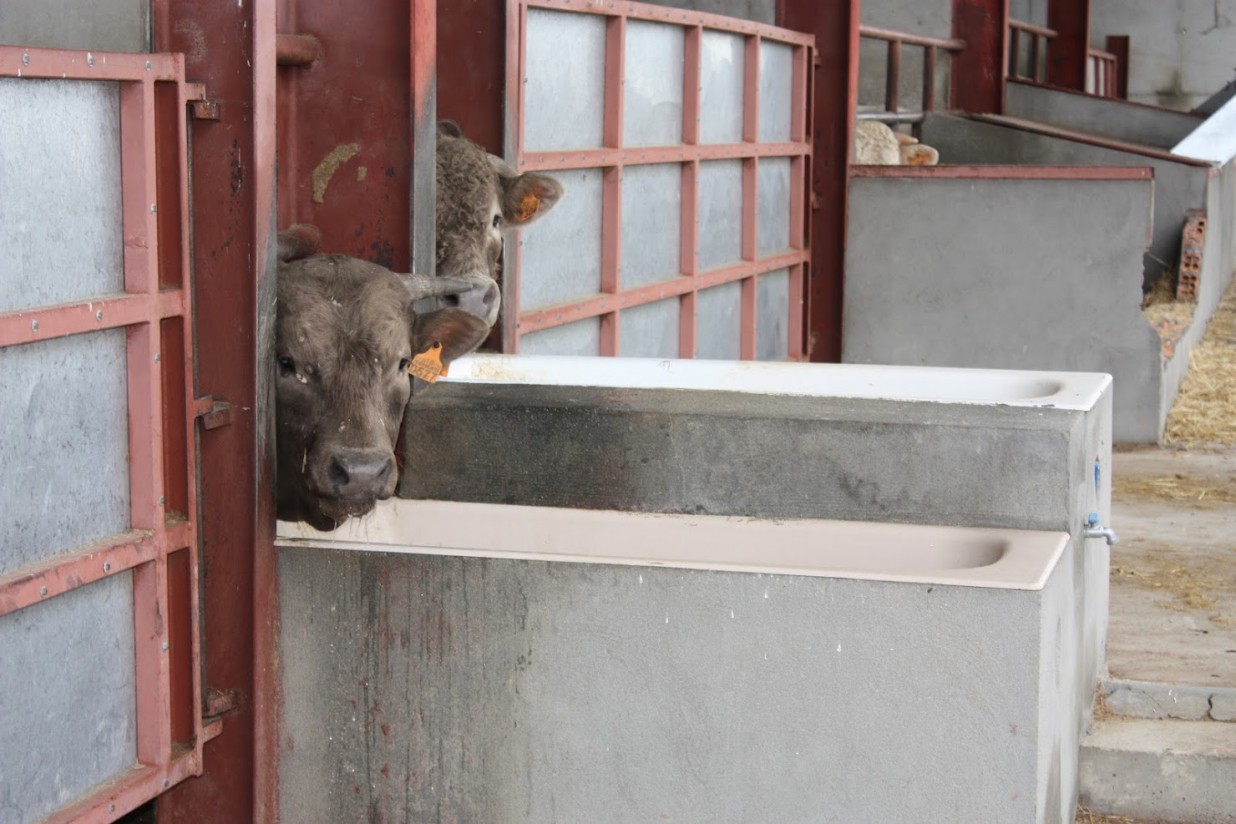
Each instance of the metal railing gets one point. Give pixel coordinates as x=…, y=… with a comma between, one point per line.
x=1101, y=72
x=1040, y=37
x=931, y=46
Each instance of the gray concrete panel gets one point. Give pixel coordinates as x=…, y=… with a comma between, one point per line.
x=1178, y=187
x=102, y=25
x=741, y=454
x=1045, y=275
x=1119, y=119
x=512, y=691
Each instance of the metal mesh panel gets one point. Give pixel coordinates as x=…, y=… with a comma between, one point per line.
x=561, y=254
x=60, y=216
x=64, y=445
x=773, y=205
x=652, y=85
x=566, y=68
x=67, y=697
x=580, y=338
x=650, y=331
x=776, y=74
x=718, y=312
x=772, y=311
x=721, y=87
x=651, y=223
x=720, y=213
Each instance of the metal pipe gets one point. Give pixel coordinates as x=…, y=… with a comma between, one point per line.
x=297, y=49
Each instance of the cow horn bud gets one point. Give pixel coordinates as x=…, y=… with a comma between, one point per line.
x=424, y=286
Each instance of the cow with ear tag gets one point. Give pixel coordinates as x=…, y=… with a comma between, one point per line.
x=346, y=335
x=479, y=196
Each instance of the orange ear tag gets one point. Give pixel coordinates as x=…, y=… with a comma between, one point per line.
x=428, y=365
x=527, y=207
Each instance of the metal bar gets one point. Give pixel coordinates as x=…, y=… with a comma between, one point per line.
x=929, y=79
x=954, y=44
x=1036, y=55
x=423, y=186
x=1066, y=56
x=597, y=305
x=297, y=49
x=66, y=64
x=1031, y=28
x=62, y=573
x=30, y=325
x=688, y=237
x=751, y=90
x=662, y=14
x=977, y=74
x=611, y=178
x=127, y=792
x=516, y=70
x=594, y=158
x=1118, y=45
x=1089, y=138
x=1009, y=172
x=892, y=117
x=796, y=344
x=892, y=75
x=1014, y=67
x=798, y=95
x=834, y=92
x=750, y=238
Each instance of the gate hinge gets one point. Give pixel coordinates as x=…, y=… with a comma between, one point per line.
x=214, y=412
x=218, y=704
x=202, y=107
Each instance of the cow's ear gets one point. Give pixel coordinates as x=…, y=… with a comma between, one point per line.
x=449, y=128
x=459, y=332
x=527, y=197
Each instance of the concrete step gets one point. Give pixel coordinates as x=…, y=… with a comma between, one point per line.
x=1182, y=772
x=1148, y=699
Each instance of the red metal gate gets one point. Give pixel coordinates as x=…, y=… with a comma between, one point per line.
x=758, y=144
x=153, y=313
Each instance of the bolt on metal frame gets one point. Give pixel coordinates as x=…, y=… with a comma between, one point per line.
x=613, y=156
x=155, y=310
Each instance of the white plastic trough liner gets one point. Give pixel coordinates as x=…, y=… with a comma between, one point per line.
x=1062, y=390
x=1214, y=140
x=993, y=558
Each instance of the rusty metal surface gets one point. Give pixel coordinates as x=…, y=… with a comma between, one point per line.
x=977, y=75
x=834, y=89
x=229, y=162
x=1069, y=52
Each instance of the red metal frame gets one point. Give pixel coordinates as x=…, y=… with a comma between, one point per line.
x=1069, y=52
x=931, y=46
x=156, y=311
x=977, y=79
x=1040, y=41
x=613, y=157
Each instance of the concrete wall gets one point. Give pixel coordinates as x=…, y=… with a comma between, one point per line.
x=1119, y=119
x=1179, y=185
x=1045, y=274
x=1181, y=52
x=102, y=25
x=527, y=692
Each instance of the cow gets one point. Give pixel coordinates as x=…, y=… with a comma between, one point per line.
x=346, y=332
x=875, y=144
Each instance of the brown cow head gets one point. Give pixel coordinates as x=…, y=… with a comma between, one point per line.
x=478, y=197
x=345, y=334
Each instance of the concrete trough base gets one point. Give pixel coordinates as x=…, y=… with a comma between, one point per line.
x=500, y=689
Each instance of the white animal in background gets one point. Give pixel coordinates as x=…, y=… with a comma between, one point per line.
x=875, y=144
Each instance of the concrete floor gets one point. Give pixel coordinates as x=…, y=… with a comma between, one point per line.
x=1173, y=596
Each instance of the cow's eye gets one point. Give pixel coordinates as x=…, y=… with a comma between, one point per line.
x=286, y=365
x=404, y=363
x=497, y=221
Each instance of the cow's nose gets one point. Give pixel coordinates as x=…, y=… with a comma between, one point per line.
x=482, y=300
x=359, y=473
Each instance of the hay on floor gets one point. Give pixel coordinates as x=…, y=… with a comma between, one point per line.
x=1205, y=409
